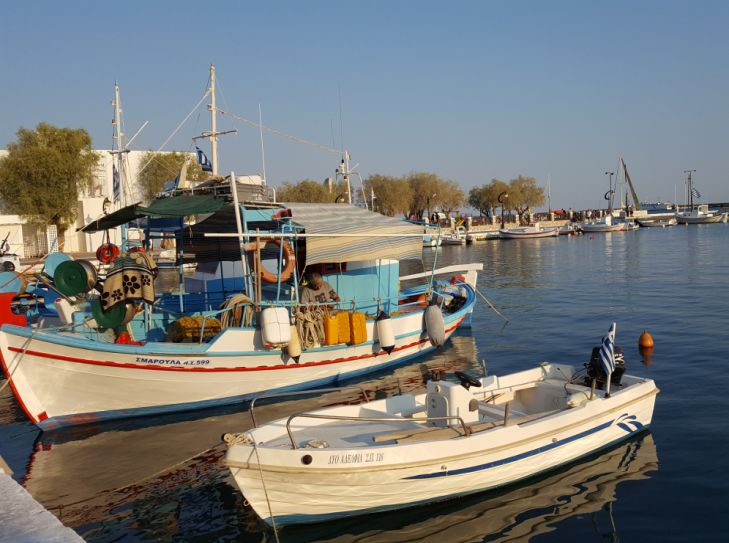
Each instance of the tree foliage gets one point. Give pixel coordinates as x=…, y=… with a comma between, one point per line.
x=393, y=195
x=307, y=190
x=486, y=197
x=163, y=167
x=431, y=193
x=44, y=173
x=525, y=194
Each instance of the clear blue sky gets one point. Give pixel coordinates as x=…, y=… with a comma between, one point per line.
x=469, y=90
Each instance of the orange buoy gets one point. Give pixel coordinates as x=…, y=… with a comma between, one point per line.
x=645, y=341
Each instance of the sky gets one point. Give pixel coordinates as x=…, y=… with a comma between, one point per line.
x=557, y=90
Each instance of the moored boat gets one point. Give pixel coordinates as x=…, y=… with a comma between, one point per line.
x=700, y=215
x=456, y=439
x=533, y=231
x=212, y=342
x=657, y=223
x=605, y=224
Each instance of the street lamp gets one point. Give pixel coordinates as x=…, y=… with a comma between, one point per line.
x=503, y=196
x=689, y=189
x=610, y=192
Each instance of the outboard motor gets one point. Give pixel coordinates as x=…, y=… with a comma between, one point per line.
x=596, y=371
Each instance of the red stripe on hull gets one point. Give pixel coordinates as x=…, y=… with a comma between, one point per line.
x=6, y=370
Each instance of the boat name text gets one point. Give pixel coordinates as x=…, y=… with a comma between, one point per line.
x=172, y=362
x=358, y=458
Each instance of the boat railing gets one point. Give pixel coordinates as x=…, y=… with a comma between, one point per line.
x=301, y=392
x=466, y=430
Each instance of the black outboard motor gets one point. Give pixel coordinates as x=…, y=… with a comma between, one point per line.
x=595, y=369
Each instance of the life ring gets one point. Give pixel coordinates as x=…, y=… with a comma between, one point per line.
x=288, y=256
x=107, y=253
x=456, y=278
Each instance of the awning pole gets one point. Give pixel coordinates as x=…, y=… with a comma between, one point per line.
x=239, y=226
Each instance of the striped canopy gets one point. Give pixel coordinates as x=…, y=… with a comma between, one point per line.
x=334, y=219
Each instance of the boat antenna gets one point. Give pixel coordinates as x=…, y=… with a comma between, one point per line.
x=263, y=152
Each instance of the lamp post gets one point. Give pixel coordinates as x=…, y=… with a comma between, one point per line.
x=610, y=192
x=503, y=196
x=689, y=189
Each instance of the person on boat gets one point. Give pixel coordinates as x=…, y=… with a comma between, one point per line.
x=318, y=291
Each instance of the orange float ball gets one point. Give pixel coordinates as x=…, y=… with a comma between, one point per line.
x=645, y=341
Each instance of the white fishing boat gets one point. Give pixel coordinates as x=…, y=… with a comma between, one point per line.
x=241, y=324
x=533, y=231
x=570, y=230
x=700, y=214
x=606, y=224
x=453, y=440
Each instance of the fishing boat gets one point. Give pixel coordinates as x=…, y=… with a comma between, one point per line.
x=570, y=230
x=609, y=223
x=226, y=334
x=239, y=325
x=455, y=439
x=657, y=223
x=700, y=214
x=606, y=224
x=528, y=232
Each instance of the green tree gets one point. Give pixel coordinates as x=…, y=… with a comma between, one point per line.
x=425, y=192
x=524, y=194
x=308, y=191
x=393, y=195
x=162, y=167
x=486, y=197
x=44, y=173
x=450, y=196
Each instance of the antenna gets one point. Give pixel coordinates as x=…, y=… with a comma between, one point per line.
x=263, y=152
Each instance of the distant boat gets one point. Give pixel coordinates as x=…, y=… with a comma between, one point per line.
x=605, y=224
x=534, y=231
x=458, y=237
x=570, y=230
x=657, y=206
x=700, y=215
x=657, y=223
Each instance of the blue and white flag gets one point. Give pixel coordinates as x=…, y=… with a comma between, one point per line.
x=607, y=352
x=116, y=185
x=696, y=193
x=202, y=159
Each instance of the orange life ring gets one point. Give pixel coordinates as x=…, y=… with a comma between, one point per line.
x=288, y=256
x=106, y=253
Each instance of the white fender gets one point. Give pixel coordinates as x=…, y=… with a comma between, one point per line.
x=385, y=334
x=294, y=346
x=435, y=325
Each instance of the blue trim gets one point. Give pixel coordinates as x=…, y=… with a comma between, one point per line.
x=534, y=452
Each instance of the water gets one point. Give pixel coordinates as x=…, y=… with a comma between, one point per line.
x=163, y=479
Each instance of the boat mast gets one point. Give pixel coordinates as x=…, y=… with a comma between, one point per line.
x=214, y=122
x=689, y=189
x=118, y=150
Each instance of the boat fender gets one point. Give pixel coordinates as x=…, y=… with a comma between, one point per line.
x=435, y=325
x=456, y=278
x=385, y=334
x=294, y=346
x=107, y=253
x=275, y=327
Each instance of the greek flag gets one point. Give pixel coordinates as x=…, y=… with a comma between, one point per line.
x=696, y=193
x=607, y=351
x=202, y=159
x=116, y=185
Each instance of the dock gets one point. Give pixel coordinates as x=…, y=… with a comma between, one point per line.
x=24, y=520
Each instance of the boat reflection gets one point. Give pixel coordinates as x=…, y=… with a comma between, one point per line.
x=86, y=474
x=518, y=513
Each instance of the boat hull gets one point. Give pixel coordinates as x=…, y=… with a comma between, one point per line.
x=517, y=234
x=334, y=483
x=62, y=381
x=602, y=228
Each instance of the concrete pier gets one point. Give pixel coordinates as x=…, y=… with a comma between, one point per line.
x=24, y=520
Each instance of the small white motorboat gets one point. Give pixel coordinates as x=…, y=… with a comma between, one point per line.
x=458, y=237
x=534, y=231
x=455, y=439
x=570, y=230
x=605, y=224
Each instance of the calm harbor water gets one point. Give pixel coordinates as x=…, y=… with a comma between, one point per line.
x=163, y=479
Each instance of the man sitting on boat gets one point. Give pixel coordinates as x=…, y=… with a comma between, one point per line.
x=318, y=291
